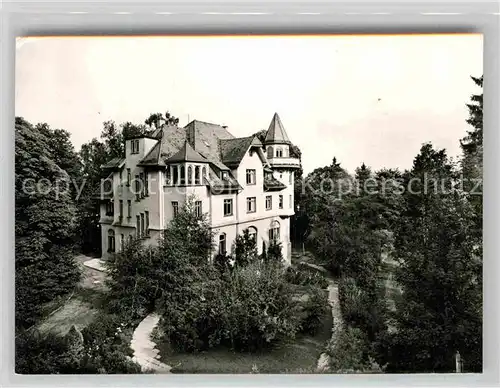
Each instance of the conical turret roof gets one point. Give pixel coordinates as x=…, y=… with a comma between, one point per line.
x=276, y=133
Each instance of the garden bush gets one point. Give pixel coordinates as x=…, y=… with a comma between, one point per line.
x=362, y=308
x=304, y=276
x=248, y=309
x=259, y=309
x=348, y=352
x=314, y=311
x=101, y=348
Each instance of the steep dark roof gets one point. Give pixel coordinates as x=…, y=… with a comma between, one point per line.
x=172, y=138
x=272, y=184
x=114, y=163
x=205, y=138
x=276, y=133
x=232, y=151
x=207, y=142
x=218, y=185
x=186, y=154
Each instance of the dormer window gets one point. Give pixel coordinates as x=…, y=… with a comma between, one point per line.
x=135, y=146
x=224, y=175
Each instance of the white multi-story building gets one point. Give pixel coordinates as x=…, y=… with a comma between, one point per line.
x=239, y=183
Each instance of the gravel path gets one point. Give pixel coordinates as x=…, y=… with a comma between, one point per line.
x=333, y=301
x=145, y=352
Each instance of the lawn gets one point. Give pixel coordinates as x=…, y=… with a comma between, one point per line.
x=301, y=354
x=79, y=308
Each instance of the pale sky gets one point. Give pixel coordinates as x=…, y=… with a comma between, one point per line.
x=371, y=99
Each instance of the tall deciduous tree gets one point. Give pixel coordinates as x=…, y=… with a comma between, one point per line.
x=45, y=224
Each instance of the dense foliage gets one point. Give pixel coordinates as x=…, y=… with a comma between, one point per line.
x=348, y=353
x=302, y=275
x=101, y=348
x=440, y=272
x=45, y=221
x=243, y=302
x=425, y=226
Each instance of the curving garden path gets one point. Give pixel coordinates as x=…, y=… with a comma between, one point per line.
x=333, y=301
x=145, y=352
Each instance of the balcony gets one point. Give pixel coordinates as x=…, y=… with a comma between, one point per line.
x=284, y=162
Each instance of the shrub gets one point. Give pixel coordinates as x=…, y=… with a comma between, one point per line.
x=101, y=348
x=222, y=262
x=259, y=309
x=361, y=308
x=303, y=276
x=274, y=252
x=106, y=347
x=43, y=354
x=348, y=353
x=247, y=309
x=245, y=249
x=132, y=281
x=314, y=310
x=194, y=324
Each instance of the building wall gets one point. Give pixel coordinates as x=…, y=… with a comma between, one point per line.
x=251, y=161
x=159, y=203
x=218, y=219
x=262, y=225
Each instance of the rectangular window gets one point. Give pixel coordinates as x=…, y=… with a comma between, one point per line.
x=146, y=183
x=129, y=208
x=224, y=175
x=138, y=227
x=175, y=175
x=250, y=177
x=251, y=204
x=197, y=179
x=110, y=209
x=146, y=213
x=122, y=241
x=121, y=177
x=142, y=225
x=228, y=207
x=175, y=208
x=129, y=177
x=290, y=175
x=222, y=244
x=168, y=176
x=137, y=188
x=290, y=201
x=141, y=178
x=274, y=234
x=111, y=243
x=121, y=209
x=135, y=146
x=197, y=208
x=280, y=203
x=269, y=202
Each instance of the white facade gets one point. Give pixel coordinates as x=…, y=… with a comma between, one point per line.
x=143, y=212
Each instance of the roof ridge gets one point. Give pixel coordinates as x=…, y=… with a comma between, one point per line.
x=204, y=122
